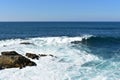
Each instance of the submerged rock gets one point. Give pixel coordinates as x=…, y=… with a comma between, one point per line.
x=44, y=55
x=35, y=56
x=26, y=43
x=12, y=59
x=4, y=45
x=76, y=42
x=32, y=56
x=84, y=41
x=52, y=55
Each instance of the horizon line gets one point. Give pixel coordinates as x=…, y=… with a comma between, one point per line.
x=59, y=21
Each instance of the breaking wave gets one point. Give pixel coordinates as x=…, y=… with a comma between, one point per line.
x=73, y=61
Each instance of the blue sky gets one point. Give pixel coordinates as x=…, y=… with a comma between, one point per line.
x=59, y=10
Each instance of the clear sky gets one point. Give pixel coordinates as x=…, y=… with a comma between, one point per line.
x=59, y=10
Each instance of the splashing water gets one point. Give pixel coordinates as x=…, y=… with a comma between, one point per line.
x=73, y=62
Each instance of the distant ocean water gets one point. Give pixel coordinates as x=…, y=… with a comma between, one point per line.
x=42, y=29
x=96, y=56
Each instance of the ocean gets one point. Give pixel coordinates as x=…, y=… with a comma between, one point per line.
x=83, y=50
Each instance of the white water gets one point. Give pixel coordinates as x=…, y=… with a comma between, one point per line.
x=66, y=66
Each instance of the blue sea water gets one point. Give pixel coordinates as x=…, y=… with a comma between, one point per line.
x=104, y=43
x=41, y=29
x=107, y=33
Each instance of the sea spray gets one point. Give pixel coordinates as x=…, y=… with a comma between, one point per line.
x=72, y=62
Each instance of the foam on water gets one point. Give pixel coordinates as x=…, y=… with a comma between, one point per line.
x=70, y=63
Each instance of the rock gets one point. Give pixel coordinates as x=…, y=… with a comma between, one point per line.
x=43, y=55
x=12, y=59
x=33, y=56
x=51, y=55
x=76, y=42
x=1, y=68
x=26, y=43
x=8, y=53
x=4, y=45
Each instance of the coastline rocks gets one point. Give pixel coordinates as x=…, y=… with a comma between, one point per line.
x=32, y=56
x=12, y=59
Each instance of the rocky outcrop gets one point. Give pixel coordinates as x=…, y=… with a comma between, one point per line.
x=32, y=56
x=12, y=59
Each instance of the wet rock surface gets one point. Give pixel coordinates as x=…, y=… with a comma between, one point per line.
x=76, y=42
x=32, y=56
x=35, y=56
x=26, y=43
x=11, y=59
x=8, y=53
x=44, y=55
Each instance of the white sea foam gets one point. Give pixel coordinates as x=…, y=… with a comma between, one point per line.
x=67, y=65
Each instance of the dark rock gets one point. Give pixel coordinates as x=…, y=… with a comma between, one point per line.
x=33, y=56
x=14, y=60
x=8, y=53
x=76, y=42
x=43, y=55
x=1, y=68
x=26, y=43
x=52, y=55
x=4, y=45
